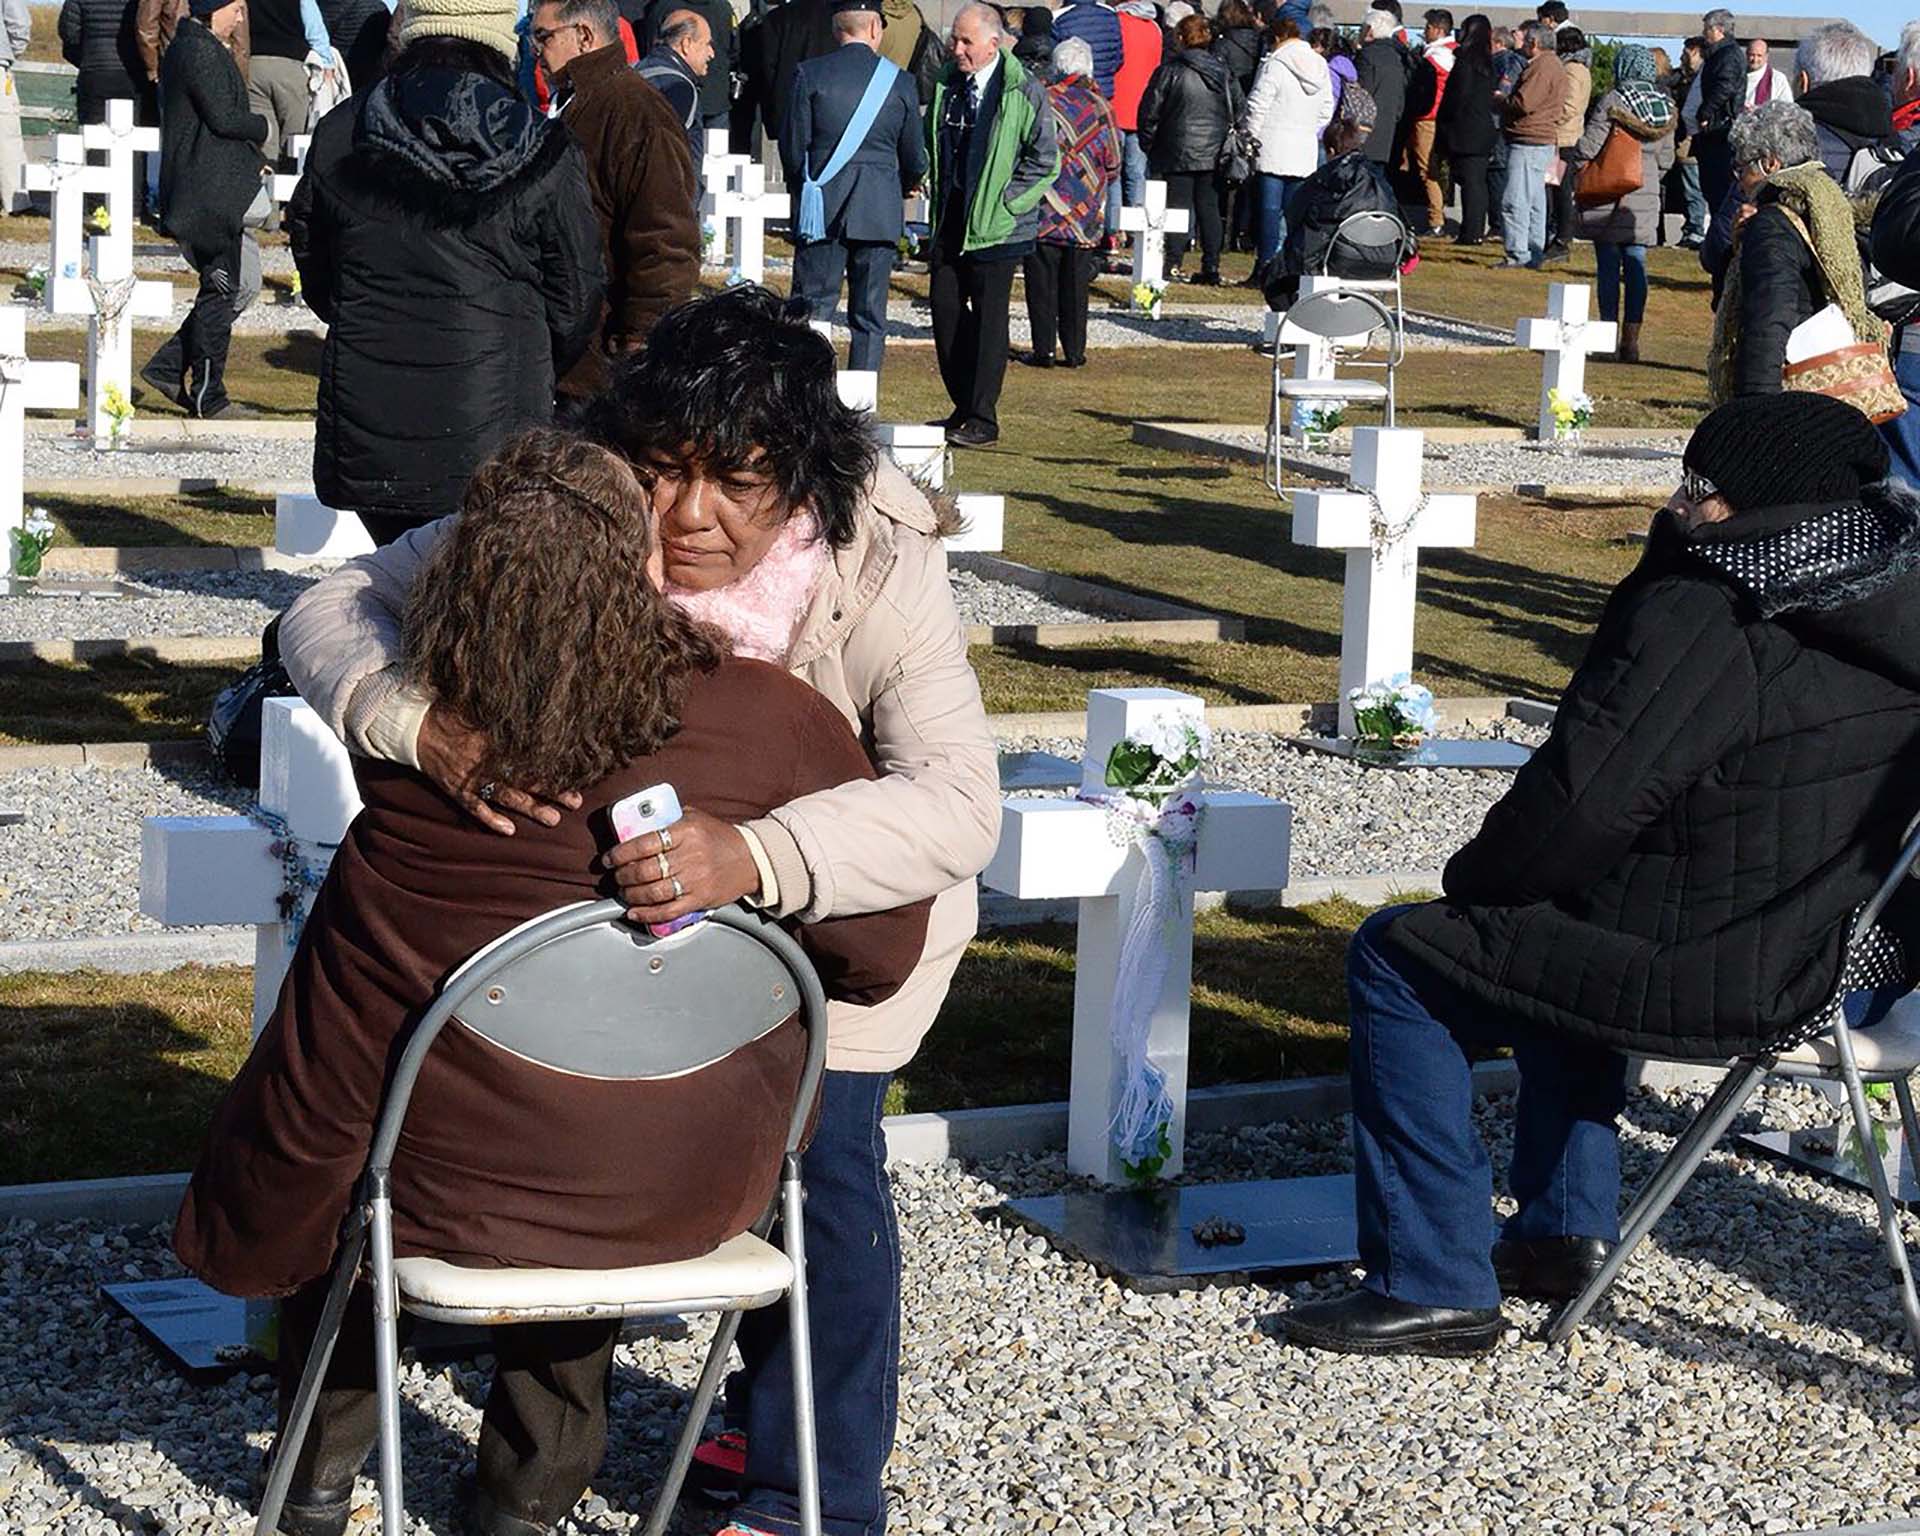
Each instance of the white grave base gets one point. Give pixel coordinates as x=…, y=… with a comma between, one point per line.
x=305, y=526
x=1053, y=848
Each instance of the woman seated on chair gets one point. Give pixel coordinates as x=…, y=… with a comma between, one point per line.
x=1728, y=778
x=1347, y=184
x=538, y=617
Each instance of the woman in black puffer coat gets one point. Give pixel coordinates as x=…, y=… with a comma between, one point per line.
x=1240, y=43
x=1730, y=774
x=445, y=232
x=1189, y=105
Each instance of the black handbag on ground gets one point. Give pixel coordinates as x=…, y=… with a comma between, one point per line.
x=233, y=724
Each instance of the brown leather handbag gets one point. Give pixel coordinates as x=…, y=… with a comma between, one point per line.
x=1611, y=174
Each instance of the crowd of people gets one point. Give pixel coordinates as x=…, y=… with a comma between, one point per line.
x=705, y=573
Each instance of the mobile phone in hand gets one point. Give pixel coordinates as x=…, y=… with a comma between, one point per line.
x=650, y=810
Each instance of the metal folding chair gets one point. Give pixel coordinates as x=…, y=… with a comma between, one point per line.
x=1350, y=321
x=1373, y=229
x=580, y=990
x=1888, y=1052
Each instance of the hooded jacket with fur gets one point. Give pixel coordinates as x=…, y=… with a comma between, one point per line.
x=446, y=234
x=1728, y=778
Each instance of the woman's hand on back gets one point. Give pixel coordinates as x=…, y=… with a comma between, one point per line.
x=450, y=754
x=706, y=856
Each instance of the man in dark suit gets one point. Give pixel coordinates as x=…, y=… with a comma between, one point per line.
x=860, y=204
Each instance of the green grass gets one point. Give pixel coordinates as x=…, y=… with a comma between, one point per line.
x=114, y=699
x=204, y=519
x=107, y=1074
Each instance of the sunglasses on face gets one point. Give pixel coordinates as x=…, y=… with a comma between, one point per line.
x=1696, y=487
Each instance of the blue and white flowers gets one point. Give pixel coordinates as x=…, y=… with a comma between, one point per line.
x=1395, y=712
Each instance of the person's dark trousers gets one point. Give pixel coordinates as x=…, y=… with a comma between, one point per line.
x=1198, y=192
x=1713, y=153
x=818, y=267
x=542, y=1435
x=94, y=88
x=1423, y=1183
x=970, y=299
x=1058, y=279
x=1561, y=205
x=1470, y=176
x=196, y=354
x=386, y=528
x=853, y=1277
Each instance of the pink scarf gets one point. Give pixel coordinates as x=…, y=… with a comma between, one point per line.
x=760, y=613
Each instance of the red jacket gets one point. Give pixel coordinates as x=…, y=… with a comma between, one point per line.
x=1139, y=58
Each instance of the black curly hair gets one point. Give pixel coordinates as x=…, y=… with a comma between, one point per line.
x=738, y=381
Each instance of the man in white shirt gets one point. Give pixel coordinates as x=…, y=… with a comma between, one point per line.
x=1764, y=82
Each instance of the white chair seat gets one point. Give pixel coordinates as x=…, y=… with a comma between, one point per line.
x=744, y=1271
x=1331, y=389
x=1891, y=1046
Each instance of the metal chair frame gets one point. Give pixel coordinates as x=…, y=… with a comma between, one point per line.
x=1743, y=1078
x=1329, y=316
x=1403, y=248
x=370, y=1222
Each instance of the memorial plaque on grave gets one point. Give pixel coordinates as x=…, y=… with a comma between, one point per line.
x=1833, y=1152
x=1037, y=770
x=206, y=1333
x=1500, y=756
x=1152, y=1238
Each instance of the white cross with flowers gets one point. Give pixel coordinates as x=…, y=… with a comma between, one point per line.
x=1382, y=523
x=1566, y=336
x=1150, y=221
x=24, y=385
x=1144, y=836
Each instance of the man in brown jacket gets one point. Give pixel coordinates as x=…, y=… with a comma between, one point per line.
x=1533, y=114
x=642, y=174
x=155, y=22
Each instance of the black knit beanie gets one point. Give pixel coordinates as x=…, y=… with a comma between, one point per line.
x=1789, y=449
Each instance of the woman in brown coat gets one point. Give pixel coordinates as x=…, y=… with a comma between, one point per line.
x=537, y=616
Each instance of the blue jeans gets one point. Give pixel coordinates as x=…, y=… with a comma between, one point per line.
x=1695, y=227
x=1423, y=1182
x=1903, y=432
x=1523, y=201
x=1271, y=194
x=1131, y=183
x=853, y=1275
x=1612, y=262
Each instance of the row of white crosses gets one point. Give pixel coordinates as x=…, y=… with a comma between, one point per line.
x=1150, y=221
x=70, y=176
x=1567, y=337
x=24, y=385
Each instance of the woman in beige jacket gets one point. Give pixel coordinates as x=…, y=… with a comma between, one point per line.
x=780, y=524
x=1577, y=59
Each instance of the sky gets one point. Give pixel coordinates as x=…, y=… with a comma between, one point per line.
x=1880, y=19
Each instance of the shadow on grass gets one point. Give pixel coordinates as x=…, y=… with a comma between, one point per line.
x=1269, y=1001
x=119, y=698
x=192, y=519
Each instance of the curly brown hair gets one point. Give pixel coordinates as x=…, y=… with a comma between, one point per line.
x=535, y=622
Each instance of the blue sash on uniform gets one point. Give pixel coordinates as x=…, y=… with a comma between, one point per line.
x=812, y=223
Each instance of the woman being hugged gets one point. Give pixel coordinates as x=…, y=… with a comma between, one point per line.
x=779, y=523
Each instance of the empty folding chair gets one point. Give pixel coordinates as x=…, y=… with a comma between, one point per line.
x=1887, y=1052
x=580, y=990
x=1352, y=323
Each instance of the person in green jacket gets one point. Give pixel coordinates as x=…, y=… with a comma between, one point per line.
x=991, y=157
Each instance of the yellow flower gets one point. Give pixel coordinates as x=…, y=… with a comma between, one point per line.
x=102, y=221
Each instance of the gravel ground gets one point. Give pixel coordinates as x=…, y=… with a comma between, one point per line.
x=242, y=602
x=1350, y=820
x=237, y=459
x=1750, y=1376
x=150, y=258
x=1652, y=461
x=165, y=603
x=72, y=868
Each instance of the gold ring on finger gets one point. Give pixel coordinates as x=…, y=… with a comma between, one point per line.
x=665, y=873
x=666, y=839
x=679, y=890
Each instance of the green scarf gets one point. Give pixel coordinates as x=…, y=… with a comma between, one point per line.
x=1824, y=217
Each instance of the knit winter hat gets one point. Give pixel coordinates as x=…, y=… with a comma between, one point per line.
x=205, y=8
x=1785, y=450
x=479, y=21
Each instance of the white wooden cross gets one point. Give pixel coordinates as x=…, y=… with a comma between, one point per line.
x=306, y=526
x=109, y=264
x=1053, y=848
x=199, y=870
x=718, y=168
x=859, y=387
x=1382, y=524
x=745, y=211
x=1566, y=336
x=1150, y=222
x=118, y=138
x=24, y=386
x=283, y=184
x=1314, y=357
